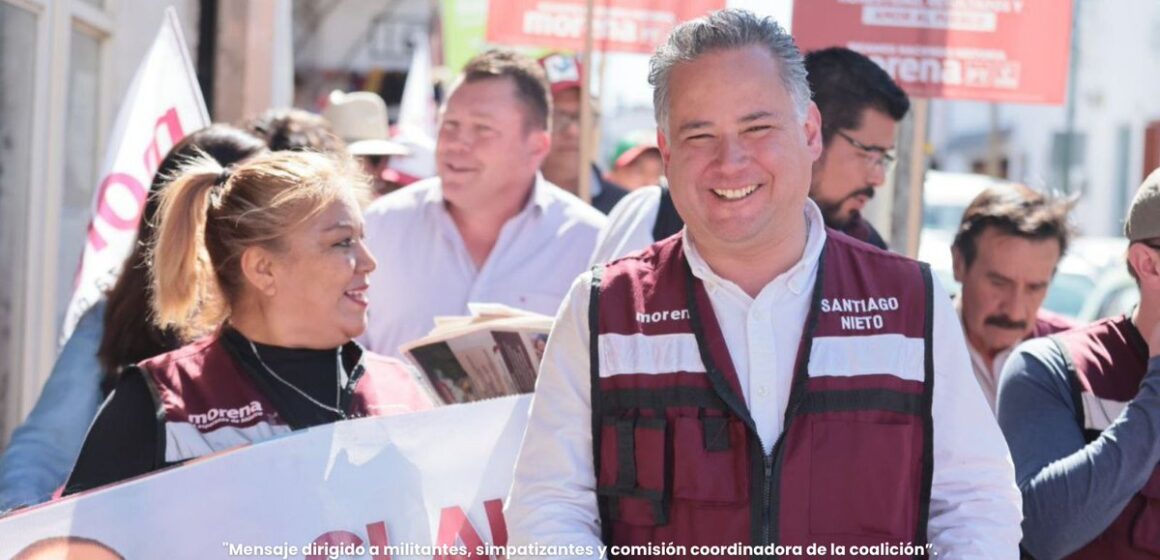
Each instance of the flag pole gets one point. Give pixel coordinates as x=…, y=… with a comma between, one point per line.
x=584, y=189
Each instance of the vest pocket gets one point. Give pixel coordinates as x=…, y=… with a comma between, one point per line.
x=632, y=469
x=876, y=462
x=709, y=456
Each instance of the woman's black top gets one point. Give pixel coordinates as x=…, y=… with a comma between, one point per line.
x=127, y=433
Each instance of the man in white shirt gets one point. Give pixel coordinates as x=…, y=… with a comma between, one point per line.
x=756, y=381
x=1005, y=253
x=489, y=228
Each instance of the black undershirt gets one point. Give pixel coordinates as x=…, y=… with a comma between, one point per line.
x=126, y=439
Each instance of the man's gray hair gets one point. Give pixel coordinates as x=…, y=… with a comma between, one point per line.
x=720, y=30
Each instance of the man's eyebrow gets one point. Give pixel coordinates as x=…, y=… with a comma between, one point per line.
x=483, y=113
x=997, y=276
x=754, y=116
x=757, y=115
x=693, y=125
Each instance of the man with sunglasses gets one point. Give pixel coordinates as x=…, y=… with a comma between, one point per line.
x=860, y=106
x=1081, y=414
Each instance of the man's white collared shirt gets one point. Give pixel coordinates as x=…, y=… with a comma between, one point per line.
x=424, y=269
x=763, y=333
x=975, y=506
x=987, y=374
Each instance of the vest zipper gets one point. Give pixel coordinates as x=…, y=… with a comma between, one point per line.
x=765, y=502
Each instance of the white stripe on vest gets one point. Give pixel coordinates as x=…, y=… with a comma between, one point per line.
x=622, y=354
x=1099, y=413
x=184, y=441
x=848, y=356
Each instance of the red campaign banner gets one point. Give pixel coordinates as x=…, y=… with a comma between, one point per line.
x=618, y=26
x=986, y=50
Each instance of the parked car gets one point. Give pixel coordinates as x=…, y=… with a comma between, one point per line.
x=946, y=195
x=1091, y=282
x=1116, y=293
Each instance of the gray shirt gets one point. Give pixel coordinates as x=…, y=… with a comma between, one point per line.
x=1072, y=490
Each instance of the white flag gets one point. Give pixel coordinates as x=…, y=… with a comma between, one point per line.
x=163, y=104
x=417, y=115
x=417, y=108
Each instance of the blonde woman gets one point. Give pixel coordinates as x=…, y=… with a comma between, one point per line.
x=265, y=267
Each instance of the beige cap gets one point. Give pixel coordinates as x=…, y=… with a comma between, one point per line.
x=360, y=119
x=1144, y=215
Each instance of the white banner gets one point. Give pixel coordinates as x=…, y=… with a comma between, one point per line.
x=163, y=104
x=424, y=485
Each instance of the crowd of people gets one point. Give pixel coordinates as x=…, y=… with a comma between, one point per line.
x=800, y=384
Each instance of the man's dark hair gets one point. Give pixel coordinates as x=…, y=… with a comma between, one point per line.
x=1013, y=210
x=527, y=75
x=295, y=130
x=845, y=83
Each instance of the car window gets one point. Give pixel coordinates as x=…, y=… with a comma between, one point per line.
x=942, y=218
x=1120, y=301
x=1067, y=292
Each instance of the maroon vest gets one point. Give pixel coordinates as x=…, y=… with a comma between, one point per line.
x=1047, y=323
x=209, y=404
x=677, y=455
x=1107, y=361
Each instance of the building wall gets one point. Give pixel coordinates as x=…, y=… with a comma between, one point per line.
x=1115, y=98
x=65, y=66
x=355, y=44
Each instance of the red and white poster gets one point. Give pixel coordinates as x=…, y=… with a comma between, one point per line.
x=163, y=105
x=617, y=25
x=427, y=485
x=986, y=50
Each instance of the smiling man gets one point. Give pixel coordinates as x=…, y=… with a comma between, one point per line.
x=489, y=228
x=860, y=107
x=759, y=379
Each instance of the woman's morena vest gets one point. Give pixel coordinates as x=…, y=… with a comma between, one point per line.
x=206, y=403
x=1106, y=362
x=677, y=455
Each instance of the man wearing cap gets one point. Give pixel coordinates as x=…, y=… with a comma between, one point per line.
x=636, y=162
x=1081, y=414
x=860, y=106
x=562, y=166
x=488, y=228
x=360, y=119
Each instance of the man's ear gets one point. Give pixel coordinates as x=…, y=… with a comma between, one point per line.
x=1146, y=263
x=258, y=270
x=813, y=130
x=663, y=146
x=541, y=143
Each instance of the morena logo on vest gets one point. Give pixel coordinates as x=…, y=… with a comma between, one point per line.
x=215, y=416
x=666, y=315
